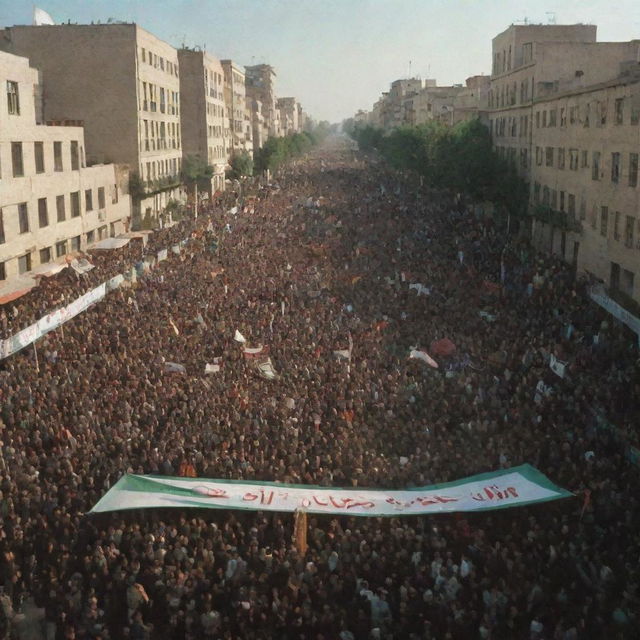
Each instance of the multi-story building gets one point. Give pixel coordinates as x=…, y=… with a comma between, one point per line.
x=260, y=90
x=51, y=203
x=202, y=108
x=289, y=122
x=240, y=130
x=124, y=83
x=566, y=109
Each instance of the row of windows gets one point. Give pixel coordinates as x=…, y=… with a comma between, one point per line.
x=212, y=84
x=158, y=62
x=550, y=156
x=596, y=112
x=215, y=110
x=155, y=135
x=506, y=94
x=46, y=254
x=216, y=153
x=162, y=169
x=39, y=156
x=621, y=228
x=158, y=99
x=24, y=221
x=214, y=131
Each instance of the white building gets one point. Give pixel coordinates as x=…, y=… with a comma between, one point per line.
x=51, y=204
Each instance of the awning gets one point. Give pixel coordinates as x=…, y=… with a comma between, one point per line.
x=48, y=269
x=110, y=243
x=16, y=288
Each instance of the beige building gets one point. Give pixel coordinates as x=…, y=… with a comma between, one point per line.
x=239, y=128
x=203, y=115
x=51, y=203
x=124, y=83
x=565, y=109
x=289, y=118
x=260, y=88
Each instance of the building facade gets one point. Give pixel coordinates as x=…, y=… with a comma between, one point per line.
x=124, y=83
x=565, y=109
x=203, y=119
x=261, y=91
x=51, y=203
x=240, y=130
x=289, y=117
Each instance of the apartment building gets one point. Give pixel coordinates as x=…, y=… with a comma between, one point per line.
x=51, y=203
x=260, y=90
x=202, y=108
x=289, y=115
x=124, y=84
x=239, y=129
x=564, y=109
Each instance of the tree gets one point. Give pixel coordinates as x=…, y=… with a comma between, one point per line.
x=197, y=173
x=241, y=165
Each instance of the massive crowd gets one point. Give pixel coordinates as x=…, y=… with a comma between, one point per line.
x=329, y=254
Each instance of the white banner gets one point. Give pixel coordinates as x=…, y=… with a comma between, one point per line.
x=513, y=487
x=598, y=295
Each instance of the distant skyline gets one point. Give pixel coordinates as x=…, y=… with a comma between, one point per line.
x=338, y=56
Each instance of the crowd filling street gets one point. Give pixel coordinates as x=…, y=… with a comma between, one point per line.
x=329, y=257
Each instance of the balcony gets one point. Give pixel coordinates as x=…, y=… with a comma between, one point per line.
x=558, y=219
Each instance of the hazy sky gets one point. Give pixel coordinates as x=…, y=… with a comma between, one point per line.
x=337, y=56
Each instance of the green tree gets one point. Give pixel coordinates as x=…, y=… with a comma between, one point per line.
x=241, y=165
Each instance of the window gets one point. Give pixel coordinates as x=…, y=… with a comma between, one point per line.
x=563, y=117
x=57, y=156
x=43, y=214
x=626, y=282
x=91, y=235
x=604, y=221
x=45, y=255
x=618, y=110
x=595, y=167
x=584, y=158
x=536, y=192
x=571, y=203
x=583, y=210
x=537, y=119
x=562, y=199
x=587, y=114
x=144, y=55
x=615, y=167
x=61, y=249
x=2, y=238
x=75, y=161
x=60, y=208
x=539, y=156
x=544, y=118
x=629, y=227
x=38, y=151
x=573, y=115
x=101, y=204
x=13, y=98
x=88, y=200
x=635, y=109
x=75, y=204
x=23, y=217
x=75, y=243
x=616, y=225
x=16, y=159
x=549, y=157
x=553, y=114
x=602, y=106
x=3, y=271
x=633, y=169
x=573, y=159
x=561, y=158
x=24, y=263
x=114, y=194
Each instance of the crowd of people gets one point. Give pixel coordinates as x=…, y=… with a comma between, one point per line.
x=323, y=261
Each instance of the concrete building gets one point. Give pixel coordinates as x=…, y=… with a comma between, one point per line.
x=240, y=130
x=203, y=118
x=124, y=83
x=566, y=109
x=289, y=121
x=260, y=87
x=51, y=203
x=431, y=103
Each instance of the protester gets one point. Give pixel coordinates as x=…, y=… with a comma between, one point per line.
x=322, y=261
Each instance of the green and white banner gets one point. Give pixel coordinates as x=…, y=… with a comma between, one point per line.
x=513, y=487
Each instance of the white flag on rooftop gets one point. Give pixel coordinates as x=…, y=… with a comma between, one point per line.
x=41, y=17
